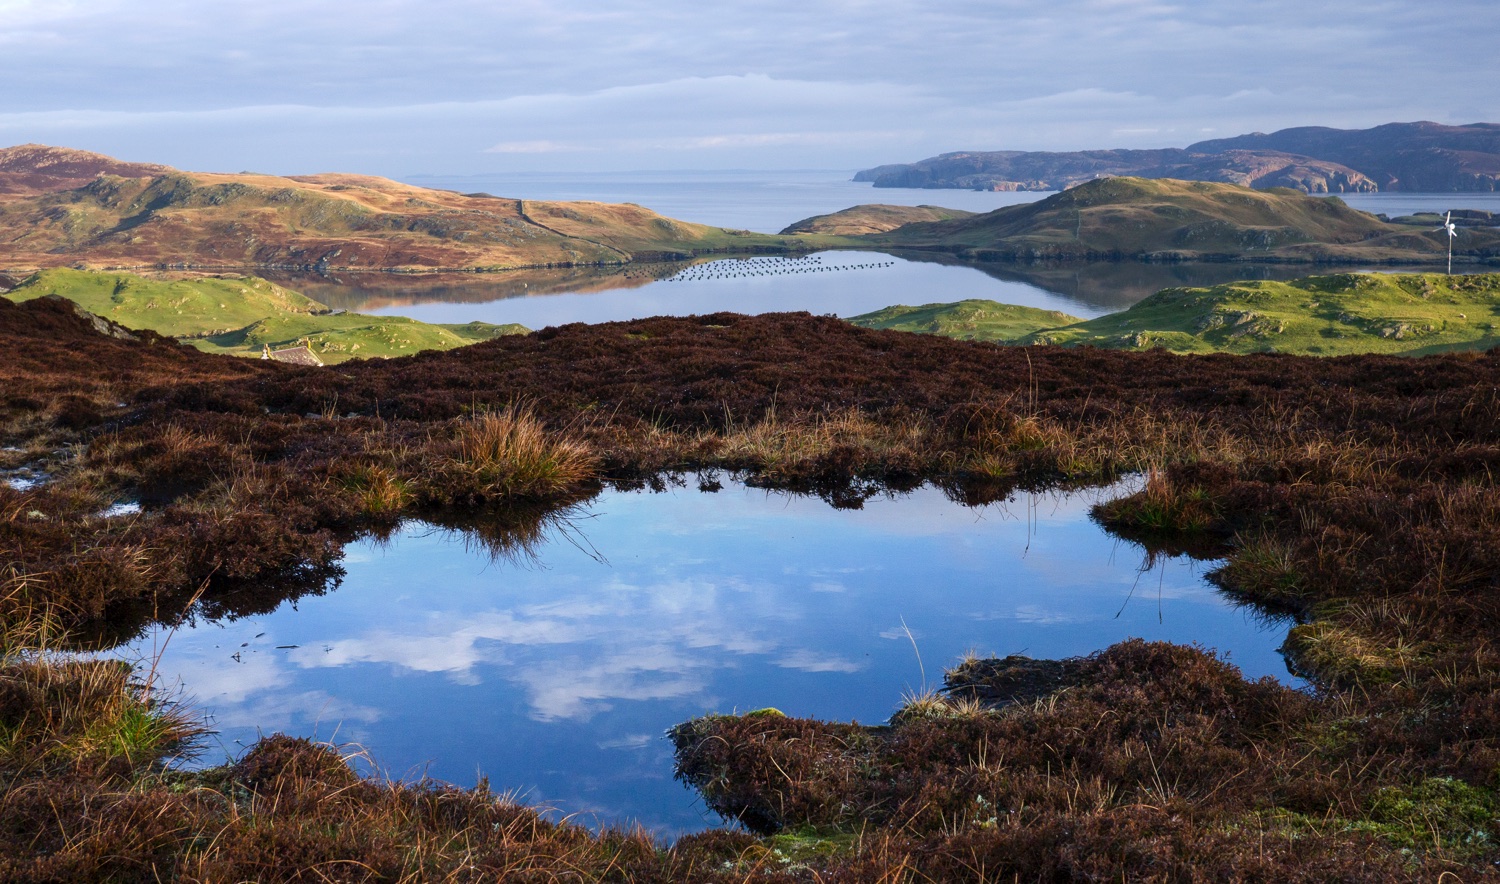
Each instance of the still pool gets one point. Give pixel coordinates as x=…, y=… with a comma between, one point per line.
x=554, y=668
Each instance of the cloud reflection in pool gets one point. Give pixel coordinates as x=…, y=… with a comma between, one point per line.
x=557, y=676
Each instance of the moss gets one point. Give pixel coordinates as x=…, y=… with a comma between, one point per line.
x=809, y=844
x=1435, y=814
x=769, y=711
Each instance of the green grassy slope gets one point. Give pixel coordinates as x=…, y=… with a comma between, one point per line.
x=1406, y=314
x=1164, y=219
x=241, y=315
x=176, y=308
x=971, y=320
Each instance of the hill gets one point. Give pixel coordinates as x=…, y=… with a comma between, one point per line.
x=153, y=217
x=239, y=316
x=1398, y=156
x=35, y=169
x=971, y=320
x=1168, y=220
x=872, y=218
x=1407, y=315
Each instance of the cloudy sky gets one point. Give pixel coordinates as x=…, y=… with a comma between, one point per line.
x=403, y=87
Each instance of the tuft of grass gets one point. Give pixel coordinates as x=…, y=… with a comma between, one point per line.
x=512, y=454
x=63, y=712
x=1164, y=506
x=933, y=705
x=1264, y=567
x=380, y=491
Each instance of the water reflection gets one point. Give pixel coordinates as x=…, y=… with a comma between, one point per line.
x=844, y=283
x=552, y=656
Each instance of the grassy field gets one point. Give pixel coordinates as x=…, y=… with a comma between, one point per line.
x=239, y=316
x=1406, y=314
x=974, y=319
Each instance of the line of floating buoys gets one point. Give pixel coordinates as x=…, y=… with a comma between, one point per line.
x=767, y=267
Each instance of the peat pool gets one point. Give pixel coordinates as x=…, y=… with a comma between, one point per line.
x=553, y=668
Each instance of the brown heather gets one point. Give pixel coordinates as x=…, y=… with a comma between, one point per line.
x=1357, y=493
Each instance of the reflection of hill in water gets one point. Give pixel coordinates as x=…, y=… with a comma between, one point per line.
x=1116, y=285
x=1105, y=285
x=373, y=291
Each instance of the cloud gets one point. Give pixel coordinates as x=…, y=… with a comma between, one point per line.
x=401, y=86
x=804, y=660
x=535, y=147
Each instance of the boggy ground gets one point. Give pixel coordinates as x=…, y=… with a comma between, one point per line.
x=1357, y=492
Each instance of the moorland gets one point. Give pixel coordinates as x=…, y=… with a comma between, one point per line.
x=1356, y=492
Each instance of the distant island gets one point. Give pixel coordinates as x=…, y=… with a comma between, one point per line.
x=61, y=207
x=1410, y=157
x=1166, y=220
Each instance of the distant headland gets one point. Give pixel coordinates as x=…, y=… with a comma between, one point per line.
x=1409, y=157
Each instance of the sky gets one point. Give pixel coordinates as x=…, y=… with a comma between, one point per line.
x=465, y=87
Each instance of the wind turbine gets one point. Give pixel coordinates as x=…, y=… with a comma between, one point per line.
x=1452, y=235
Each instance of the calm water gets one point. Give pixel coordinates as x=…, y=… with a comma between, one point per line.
x=557, y=675
x=840, y=282
x=845, y=283
x=1396, y=204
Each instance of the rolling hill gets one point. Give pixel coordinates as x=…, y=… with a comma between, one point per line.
x=1168, y=220
x=127, y=216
